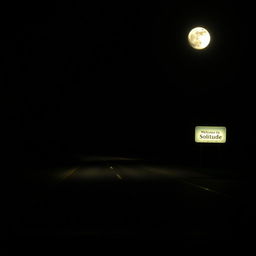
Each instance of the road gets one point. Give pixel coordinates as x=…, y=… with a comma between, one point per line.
x=129, y=200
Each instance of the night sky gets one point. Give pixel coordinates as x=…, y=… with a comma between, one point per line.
x=101, y=78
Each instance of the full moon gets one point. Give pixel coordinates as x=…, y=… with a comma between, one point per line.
x=199, y=38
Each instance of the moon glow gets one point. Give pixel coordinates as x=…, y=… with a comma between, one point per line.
x=199, y=38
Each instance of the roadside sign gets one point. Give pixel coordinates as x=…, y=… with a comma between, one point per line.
x=210, y=134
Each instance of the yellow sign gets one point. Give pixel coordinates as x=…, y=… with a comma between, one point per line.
x=210, y=134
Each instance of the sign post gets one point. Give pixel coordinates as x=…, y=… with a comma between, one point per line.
x=209, y=134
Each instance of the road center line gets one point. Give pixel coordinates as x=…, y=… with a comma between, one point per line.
x=111, y=168
x=118, y=176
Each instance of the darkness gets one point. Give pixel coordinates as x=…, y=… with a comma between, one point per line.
x=101, y=103
x=122, y=79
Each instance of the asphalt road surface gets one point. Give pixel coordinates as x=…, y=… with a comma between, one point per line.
x=120, y=200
